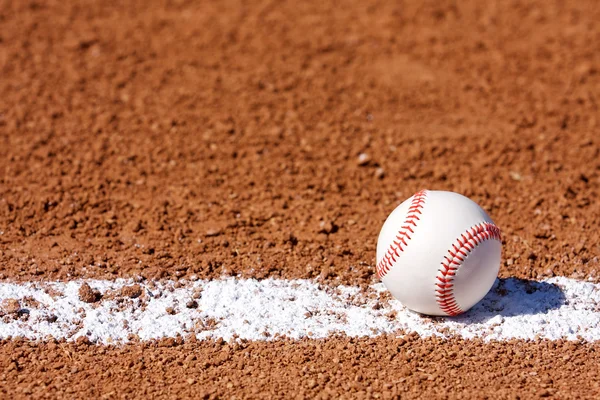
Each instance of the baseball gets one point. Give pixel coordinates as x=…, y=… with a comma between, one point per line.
x=438, y=253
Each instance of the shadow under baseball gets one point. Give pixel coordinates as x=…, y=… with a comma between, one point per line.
x=511, y=297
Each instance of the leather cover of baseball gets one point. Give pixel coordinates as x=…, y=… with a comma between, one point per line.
x=439, y=253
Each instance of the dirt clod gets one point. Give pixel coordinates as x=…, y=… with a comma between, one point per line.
x=10, y=306
x=191, y=304
x=133, y=291
x=170, y=311
x=87, y=294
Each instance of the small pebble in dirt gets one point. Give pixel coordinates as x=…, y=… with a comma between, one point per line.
x=87, y=294
x=191, y=304
x=11, y=306
x=133, y=291
x=363, y=159
x=327, y=227
x=515, y=176
x=379, y=173
x=213, y=232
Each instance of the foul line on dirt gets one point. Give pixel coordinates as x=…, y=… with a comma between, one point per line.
x=558, y=308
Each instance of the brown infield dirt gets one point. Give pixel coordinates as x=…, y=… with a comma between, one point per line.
x=271, y=139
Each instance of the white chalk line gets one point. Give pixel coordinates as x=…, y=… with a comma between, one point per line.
x=557, y=308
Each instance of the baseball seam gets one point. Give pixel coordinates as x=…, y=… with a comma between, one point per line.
x=403, y=235
x=463, y=246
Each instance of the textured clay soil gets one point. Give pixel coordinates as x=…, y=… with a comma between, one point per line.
x=406, y=368
x=166, y=139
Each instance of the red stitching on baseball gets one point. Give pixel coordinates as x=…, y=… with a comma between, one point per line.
x=463, y=246
x=395, y=249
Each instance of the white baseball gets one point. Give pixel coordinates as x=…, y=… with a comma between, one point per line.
x=438, y=253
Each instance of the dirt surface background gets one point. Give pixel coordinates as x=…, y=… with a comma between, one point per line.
x=334, y=368
x=171, y=139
